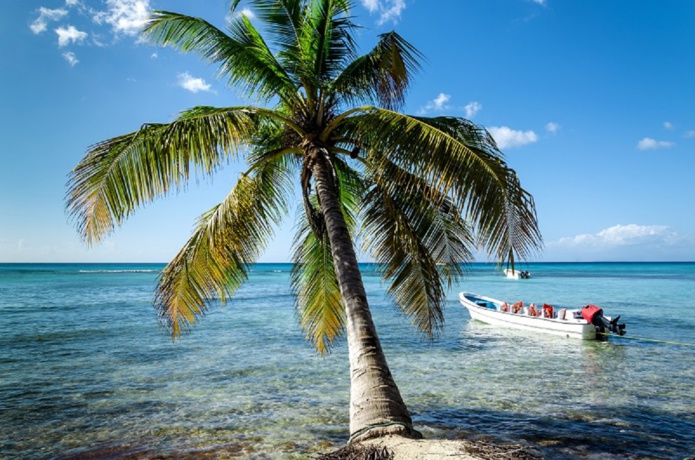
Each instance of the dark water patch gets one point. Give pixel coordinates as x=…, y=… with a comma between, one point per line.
x=638, y=432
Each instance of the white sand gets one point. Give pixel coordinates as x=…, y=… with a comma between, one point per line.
x=423, y=449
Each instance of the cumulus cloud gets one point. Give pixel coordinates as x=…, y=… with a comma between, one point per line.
x=371, y=5
x=668, y=125
x=437, y=104
x=126, y=17
x=113, y=18
x=192, y=84
x=508, y=138
x=70, y=35
x=651, y=144
x=623, y=242
x=71, y=58
x=540, y=2
x=388, y=10
x=552, y=127
x=472, y=108
x=40, y=24
x=623, y=235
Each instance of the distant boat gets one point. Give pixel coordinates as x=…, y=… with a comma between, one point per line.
x=512, y=274
x=583, y=323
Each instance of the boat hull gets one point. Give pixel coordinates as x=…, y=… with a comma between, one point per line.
x=516, y=274
x=570, y=327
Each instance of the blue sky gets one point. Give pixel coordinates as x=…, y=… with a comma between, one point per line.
x=591, y=101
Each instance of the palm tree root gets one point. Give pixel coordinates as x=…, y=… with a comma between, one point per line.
x=359, y=453
x=385, y=429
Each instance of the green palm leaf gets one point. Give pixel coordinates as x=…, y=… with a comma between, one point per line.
x=315, y=285
x=286, y=17
x=460, y=161
x=420, y=243
x=329, y=43
x=243, y=57
x=214, y=262
x=381, y=76
x=120, y=174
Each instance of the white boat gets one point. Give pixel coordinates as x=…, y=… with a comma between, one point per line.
x=583, y=323
x=512, y=274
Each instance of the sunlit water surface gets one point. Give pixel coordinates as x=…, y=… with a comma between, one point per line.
x=86, y=371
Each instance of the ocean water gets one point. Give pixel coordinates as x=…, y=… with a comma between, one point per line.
x=86, y=371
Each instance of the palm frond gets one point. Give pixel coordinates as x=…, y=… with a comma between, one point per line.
x=381, y=76
x=315, y=286
x=120, y=174
x=243, y=57
x=461, y=161
x=421, y=244
x=285, y=18
x=326, y=39
x=214, y=262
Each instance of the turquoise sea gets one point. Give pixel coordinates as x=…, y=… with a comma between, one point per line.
x=86, y=371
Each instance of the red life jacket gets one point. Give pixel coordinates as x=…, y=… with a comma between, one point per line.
x=547, y=310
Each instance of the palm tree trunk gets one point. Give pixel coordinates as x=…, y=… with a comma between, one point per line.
x=376, y=406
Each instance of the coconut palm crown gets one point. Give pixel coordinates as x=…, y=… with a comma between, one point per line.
x=422, y=195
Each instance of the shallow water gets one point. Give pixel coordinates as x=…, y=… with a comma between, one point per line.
x=87, y=371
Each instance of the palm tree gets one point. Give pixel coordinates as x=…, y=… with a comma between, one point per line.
x=420, y=193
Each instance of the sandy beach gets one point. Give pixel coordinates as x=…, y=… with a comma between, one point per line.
x=399, y=448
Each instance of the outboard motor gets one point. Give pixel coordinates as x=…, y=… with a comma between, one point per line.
x=594, y=315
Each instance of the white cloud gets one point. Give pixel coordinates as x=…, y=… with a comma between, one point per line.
x=437, y=104
x=621, y=235
x=71, y=58
x=623, y=242
x=540, y=2
x=40, y=24
x=690, y=133
x=371, y=5
x=552, y=127
x=650, y=144
x=389, y=10
x=192, y=84
x=507, y=138
x=117, y=18
x=472, y=108
x=393, y=13
x=154, y=55
x=70, y=35
x=668, y=125
x=126, y=17
x=248, y=13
